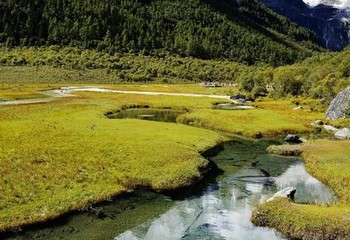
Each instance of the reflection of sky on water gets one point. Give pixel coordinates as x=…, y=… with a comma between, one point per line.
x=224, y=212
x=309, y=189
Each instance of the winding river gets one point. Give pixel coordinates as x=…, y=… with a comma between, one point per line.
x=223, y=209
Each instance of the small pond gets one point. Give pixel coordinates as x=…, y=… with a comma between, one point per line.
x=219, y=208
x=163, y=115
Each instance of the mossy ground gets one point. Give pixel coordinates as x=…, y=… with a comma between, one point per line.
x=64, y=155
x=328, y=161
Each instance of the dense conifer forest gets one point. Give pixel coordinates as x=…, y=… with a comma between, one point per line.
x=244, y=31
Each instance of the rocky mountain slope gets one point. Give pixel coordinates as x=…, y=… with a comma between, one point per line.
x=329, y=19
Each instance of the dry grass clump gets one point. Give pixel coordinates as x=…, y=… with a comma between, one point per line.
x=285, y=150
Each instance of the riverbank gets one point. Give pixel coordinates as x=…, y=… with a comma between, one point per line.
x=329, y=162
x=65, y=155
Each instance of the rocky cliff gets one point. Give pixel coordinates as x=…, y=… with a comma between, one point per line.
x=329, y=19
x=340, y=106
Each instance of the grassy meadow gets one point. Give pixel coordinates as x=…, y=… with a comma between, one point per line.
x=329, y=162
x=64, y=155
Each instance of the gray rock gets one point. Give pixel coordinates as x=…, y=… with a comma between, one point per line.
x=285, y=193
x=330, y=128
x=292, y=138
x=340, y=106
x=343, y=133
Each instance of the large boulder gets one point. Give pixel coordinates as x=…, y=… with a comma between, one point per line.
x=285, y=193
x=343, y=133
x=340, y=106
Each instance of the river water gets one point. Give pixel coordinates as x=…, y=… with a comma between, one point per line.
x=223, y=209
x=217, y=209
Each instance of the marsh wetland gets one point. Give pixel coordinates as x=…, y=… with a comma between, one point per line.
x=127, y=178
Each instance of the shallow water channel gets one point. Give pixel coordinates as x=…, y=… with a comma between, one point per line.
x=161, y=115
x=217, y=209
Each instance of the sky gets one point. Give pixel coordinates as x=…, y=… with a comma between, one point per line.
x=336, y=3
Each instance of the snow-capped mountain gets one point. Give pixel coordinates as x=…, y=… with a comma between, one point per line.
x=329, y=19
x=341, y=4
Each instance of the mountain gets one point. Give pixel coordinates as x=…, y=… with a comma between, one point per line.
x=243, y=30
x=329, y=19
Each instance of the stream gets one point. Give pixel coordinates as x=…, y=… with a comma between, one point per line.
x=217, y=209
x=223, y=209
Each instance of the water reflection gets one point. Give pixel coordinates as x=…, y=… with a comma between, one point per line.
x=163, y=115
x=309, y=189
x=223, y=210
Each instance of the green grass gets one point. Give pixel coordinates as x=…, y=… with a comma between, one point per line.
x=178, y=88
x=328, y=161
x=271, y=118
x=305, y=221
x=10, y=92
x=64, y=155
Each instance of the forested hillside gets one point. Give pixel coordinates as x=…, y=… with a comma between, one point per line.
x=243, y=31
x=321, y=76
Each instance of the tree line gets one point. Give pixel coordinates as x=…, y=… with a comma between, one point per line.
x=321, y=76
x=244, y=31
